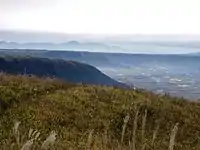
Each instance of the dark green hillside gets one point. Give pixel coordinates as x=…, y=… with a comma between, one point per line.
x=91, y=117
x=67, y=70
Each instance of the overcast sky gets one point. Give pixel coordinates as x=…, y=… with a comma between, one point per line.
x=102, y=16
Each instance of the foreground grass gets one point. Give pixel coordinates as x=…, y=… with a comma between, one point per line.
x=93, y=117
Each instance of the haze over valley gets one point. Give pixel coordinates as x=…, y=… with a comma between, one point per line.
x=176, y=74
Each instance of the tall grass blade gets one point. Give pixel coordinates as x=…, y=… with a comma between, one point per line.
x=126, y=119
x=155, y=133
x=144, y=118
x=173, y=136
x=135, y=125
x=17, y=133
x=89, y=140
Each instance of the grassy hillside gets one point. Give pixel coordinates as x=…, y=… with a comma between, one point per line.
x=67, y=70
x=92, y=117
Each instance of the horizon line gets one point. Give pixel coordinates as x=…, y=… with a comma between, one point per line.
x=102, y=34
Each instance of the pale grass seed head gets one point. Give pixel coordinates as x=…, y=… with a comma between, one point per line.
x=173, y=136
x=89, y=140
x=30, y=133
x=27, y=145
x=49, y=141
x=126, y=119
x=16, y=127
x=33, y=134
x=37, y=136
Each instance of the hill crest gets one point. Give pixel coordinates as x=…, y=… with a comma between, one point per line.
x=71, y=71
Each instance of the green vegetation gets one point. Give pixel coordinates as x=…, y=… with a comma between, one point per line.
x=93, y=117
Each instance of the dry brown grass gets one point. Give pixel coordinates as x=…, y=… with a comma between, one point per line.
x=94, y=117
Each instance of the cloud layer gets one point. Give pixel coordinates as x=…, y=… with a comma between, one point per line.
x=102, y=16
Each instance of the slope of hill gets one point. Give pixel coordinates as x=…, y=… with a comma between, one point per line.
x=95, y=59
x=92, y=117
x=68, y=70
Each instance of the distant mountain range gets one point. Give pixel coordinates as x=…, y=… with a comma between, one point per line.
x=116, y=47
x=126, y=43
x=100, y=59
x=71, y=45
x=67, y=70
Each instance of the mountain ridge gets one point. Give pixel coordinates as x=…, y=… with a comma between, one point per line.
x=117, y=47
x=71, y=71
